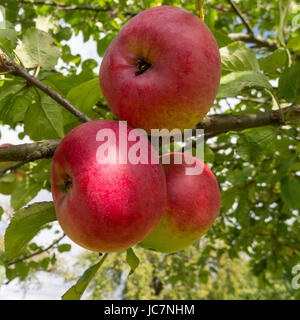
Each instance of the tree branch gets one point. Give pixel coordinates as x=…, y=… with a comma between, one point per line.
x=213, y=125
x=29, y=151
x=258, y=40
x=242, y=16
x=14, y=69
x=66, y=6
x=86, y=7
x=218, y=124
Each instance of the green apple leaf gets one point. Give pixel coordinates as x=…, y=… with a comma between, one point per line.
x=64, y=247
x=24, y=225
x=14, y=106
x=47, y=23
x=24, y=192
x=238, y=57
x=37, y=48
x=8, y=38
x=209, y=155
x=221, y=38
x=290, y=187
x=254, y=144
x=76, y=291
x=132, y=260
x=103, y=43
x=294, y=43
x=44, y=120
x=289, y=84
x=277, y=60
x=85, y=96
x=10, y=88
x=233, y=83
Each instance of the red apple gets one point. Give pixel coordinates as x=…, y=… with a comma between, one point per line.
x=162, y=70
x=192, y=206
x=110, y=206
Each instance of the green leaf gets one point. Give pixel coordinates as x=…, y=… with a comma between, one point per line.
x=209, y=155
x=289, y=84
x=46, y=23
x=37, y=48
x=221, y=38
x=132, y=260
x=10, y=88
x=85, y=96
x=104, y=43
x=290, y=186
x=8, y=38
x=25, y=191
x=64, y=247
x=237, y=57
x=8, y=178
x=259, y=267
x=24, y=225
x=233, y=83
x=44, y=120
x=240, y=176
x=76, y=291
x=203, y=276
x=1, y=212
x=276, y=60
x=294, y=43
x=45, y=263
x=228, y=198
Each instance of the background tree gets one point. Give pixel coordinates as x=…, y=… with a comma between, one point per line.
x=251, y=144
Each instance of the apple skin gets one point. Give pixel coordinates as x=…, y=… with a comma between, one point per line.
x=179, y=88
x=105, y=207
x=193, y=205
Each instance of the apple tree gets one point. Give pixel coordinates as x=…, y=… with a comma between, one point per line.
x=251, y=143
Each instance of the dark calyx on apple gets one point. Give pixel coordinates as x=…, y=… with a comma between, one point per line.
x=142, y=66
x=66, y=185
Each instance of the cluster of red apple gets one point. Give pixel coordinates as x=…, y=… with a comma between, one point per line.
x=161, y=71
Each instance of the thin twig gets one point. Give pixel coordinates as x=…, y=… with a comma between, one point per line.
x=36, y=253
x=66, y=6
x=242, y=16
x=11, y=167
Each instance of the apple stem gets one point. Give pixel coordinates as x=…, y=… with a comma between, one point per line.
x=199, y=6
